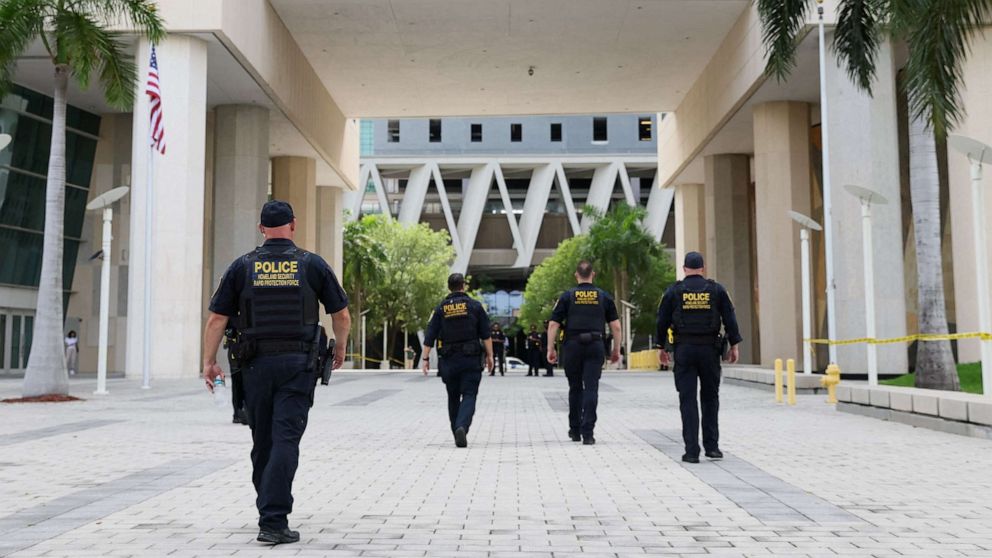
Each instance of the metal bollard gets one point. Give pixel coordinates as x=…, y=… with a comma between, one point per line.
x=778, y=380
x=791, y=368
x=830, y=381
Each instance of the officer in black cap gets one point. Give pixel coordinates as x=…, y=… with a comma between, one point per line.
x=584, y=311
x=499, y=350
x=273, y=293
x=460, y=327
x=692, y=310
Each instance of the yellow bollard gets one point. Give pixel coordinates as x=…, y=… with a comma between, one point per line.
x=778, y=380
x=830, y=381
x=791, y=367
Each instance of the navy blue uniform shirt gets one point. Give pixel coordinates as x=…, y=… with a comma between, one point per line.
x=474, y=306
x=724, y=305
x=560, y=312
x=320, y=276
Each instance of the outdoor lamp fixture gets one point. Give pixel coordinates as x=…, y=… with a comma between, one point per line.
x=868, y=197
x=104, y=202
x=979, y=154
x=807, y=224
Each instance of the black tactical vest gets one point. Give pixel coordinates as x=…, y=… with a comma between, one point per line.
x=458, y=322
x=696, y=311
x=586, y=310
x=277, y=301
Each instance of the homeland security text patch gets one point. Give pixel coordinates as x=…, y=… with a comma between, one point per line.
x=695, y=301
x=455, y=309
x=285, y=273
x=587, y=297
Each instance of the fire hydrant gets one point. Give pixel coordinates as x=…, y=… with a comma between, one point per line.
x=830, y=381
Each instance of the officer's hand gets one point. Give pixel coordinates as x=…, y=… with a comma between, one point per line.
x=426, y=366
x=663, y=357
x=552, y=355
x=338, y=361
x=735, y=354
x=210, y=373
x=615, y=356
x=490, y=363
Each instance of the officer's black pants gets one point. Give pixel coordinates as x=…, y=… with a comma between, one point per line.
x=237, y=392
x=500, y=357
x=533, y=361
x=583, y=367
x=461, y=375
x=277, y=390
x=702, y=363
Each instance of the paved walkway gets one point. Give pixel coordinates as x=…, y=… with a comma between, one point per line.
x=163, y=472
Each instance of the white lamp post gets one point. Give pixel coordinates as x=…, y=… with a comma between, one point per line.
x=363, y=337
x=828, y=238
x=807, y=224
x=979, y=154
x=4, y=141
x=627, y=309
x=868, y=197
x=104, y=202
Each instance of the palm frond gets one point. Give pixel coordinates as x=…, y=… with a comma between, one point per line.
x=938, y=46
x=857, y=37
x=78, y=35
x=142, y=15
x=118, y=73
x=782, y=20
x=20, y=22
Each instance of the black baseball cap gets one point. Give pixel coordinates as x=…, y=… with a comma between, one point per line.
x=693, y=260
x=276, y=214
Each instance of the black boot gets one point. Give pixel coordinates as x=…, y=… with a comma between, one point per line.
x=278, y=536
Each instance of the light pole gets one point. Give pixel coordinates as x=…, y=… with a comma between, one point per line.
x=807, y=224
x=363, y=337
x=979, y=154
x=104, y=202
x=627, y=309
x=828, y=237
x=868, y=197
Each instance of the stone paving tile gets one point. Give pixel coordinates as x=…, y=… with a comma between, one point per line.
x=381, y=477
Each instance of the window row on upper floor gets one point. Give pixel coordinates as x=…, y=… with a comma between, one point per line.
x=599, y=131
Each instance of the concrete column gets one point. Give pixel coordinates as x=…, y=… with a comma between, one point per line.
x=177, y=198
x=294, y=180
x=869, y=158
x=690, y=223
x=241, y=167
x=728, y=236
x=977, y=123
x=330, y=226
x=782, y=182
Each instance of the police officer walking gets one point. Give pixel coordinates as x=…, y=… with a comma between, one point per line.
x=460, y=328
x=584, y=311
x=694, y=309
x=273, y=294
x=499, y=350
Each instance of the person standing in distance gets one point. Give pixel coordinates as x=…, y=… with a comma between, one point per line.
x=533, y=352
x=272, y=293
x=460, y=327
x=499, y=350
x=549, y=366
x=584, y=311
x=694, y=308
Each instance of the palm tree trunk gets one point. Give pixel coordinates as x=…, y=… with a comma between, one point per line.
x=46, y=372
x=357, y=322
x=934, y=361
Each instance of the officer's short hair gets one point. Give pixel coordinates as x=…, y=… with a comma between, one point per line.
x=584, y=269
x=456, y=282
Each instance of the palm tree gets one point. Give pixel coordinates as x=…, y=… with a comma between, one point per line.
x=76, y=40
x=363, y=262
x=938, y=33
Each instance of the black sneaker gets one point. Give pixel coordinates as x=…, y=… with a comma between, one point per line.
x=588, y=440
x=461, y=438
x=715, y=454
x=574, y=436
x=690, y=458
x=278, y=536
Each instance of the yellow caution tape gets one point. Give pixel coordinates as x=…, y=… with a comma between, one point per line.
x=355, y=356
x=904, y=339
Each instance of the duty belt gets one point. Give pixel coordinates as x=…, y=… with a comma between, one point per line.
x=571, y=335
x=277, y=346
x=696, y=339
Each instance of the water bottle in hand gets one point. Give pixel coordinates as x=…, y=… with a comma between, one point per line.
x=222, y=397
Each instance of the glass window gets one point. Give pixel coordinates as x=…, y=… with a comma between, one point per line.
x=15, y=343
x=644, y=128
x=476, y=133
x=3, y=339
x=599, y=129
x=556, y=131
x=28, y=336
x=516, y=132
x=393, y=131
x=434, y=133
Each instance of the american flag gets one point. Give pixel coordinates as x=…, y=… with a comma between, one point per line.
x=156, y=127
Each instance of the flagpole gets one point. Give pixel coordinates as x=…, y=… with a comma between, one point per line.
x=149, y=216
